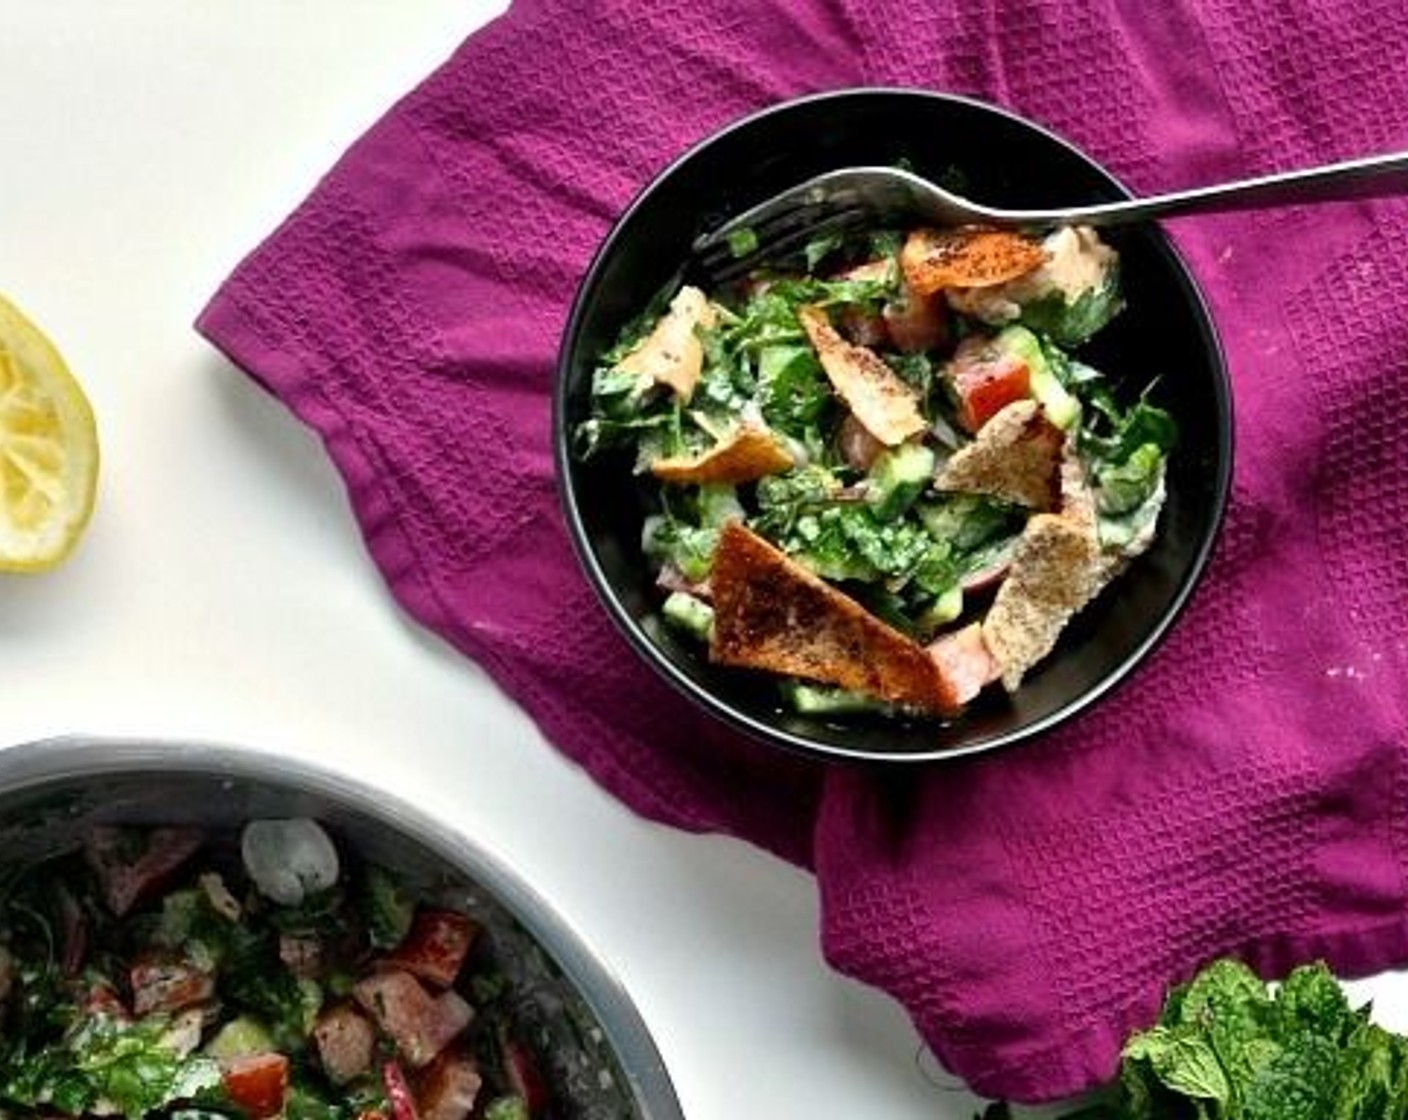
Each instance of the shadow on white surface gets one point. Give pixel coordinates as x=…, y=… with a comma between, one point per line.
x=286, y=456
x=283, y=448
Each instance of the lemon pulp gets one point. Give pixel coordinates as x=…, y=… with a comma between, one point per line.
x=48, y=449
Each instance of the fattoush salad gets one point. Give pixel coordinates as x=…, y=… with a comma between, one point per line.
x=882, y=472
x=167, y=972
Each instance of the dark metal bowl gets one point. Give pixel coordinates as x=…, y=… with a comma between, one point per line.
x=595, y=1051
x=1165, y=332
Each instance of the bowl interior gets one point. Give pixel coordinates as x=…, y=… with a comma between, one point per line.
x=1164, y=333
x=591, y=1046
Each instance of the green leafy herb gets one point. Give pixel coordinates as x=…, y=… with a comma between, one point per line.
x=321, y=914
x=129, y=1067
x=1070, y=324
x=690, y=548
x=506, y=1108
x=967, y=522
x=916, y=369
x=1123, y=487
x=1114, y=434
x=251, y=977
x=308, y=1098
x=819, y=248
x=793, y=392
x=1227, y=1046
x=726, y=383
x=847, y=541
x=884, y=243
x=388, y=907
x=1125, y=452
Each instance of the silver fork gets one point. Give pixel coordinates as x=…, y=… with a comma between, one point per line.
x=842, y=200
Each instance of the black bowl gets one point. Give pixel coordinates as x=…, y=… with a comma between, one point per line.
x=1165, y=331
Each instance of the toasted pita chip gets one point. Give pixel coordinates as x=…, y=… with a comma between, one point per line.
x=1077, y=498
x=671, y=353
x=1016, y=457
x=1057, y=568
x=771, y=613
x=877, y=396
x=969, y=257
x=750, y=453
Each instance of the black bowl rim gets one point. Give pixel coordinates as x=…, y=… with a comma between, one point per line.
x=759, y=729
x=50, y=762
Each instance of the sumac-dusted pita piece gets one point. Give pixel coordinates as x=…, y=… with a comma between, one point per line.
x=750, y=453
x=1056, y=569
x=771, y=613
x=968, y=257
x=672, y=353
x=1016, y=457
x=877, y=396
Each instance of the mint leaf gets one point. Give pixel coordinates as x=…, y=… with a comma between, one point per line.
x=1310, y=999
x=1183, y=1061
x=1228, y=1047
x=1300, y=1083
x=1375, y=1075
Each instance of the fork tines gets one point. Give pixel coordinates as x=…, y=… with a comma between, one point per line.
x=777, y=236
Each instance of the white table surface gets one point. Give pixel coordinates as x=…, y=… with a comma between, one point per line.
x=223, y=592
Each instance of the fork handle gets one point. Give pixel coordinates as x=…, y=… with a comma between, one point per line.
x=1368, y=177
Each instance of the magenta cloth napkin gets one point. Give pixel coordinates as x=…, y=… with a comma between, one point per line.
x=1246, y=793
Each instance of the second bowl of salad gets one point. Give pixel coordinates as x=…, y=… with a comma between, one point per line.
x=903, y=494
x=195, y=932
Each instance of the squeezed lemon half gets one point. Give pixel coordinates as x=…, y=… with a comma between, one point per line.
x=48, y=449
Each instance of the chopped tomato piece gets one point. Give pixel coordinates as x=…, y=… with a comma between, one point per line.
x=257, y=1083
x=964, y=658
x=161, y=983
x=986, y=381
x=398, y=1093
x=420, y=1024
x=435, y=946
x=525, y=1077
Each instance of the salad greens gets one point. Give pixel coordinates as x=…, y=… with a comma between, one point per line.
x=153, y=974
x=869, y=512
x=1228, y=1046
x=1071, y=323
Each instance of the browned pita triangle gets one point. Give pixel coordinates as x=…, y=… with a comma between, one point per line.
x=771, y=613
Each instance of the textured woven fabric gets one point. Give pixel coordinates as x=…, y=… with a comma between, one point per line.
x=1245, y=794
